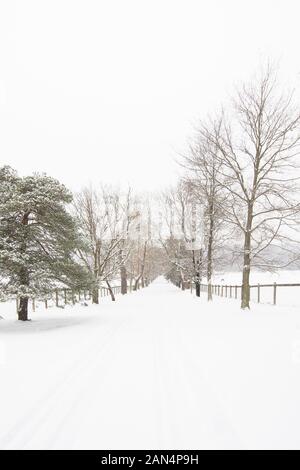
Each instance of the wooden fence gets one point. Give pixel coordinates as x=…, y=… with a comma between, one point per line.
x=235, y=291
x=64, y=296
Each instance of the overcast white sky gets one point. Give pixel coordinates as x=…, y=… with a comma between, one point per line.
x=108, y=90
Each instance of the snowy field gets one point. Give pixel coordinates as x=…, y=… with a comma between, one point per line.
x=158, y=369
x=286, y=296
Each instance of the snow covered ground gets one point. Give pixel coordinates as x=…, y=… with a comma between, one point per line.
x=158, y=369
x=286, y=296
x=264, y=277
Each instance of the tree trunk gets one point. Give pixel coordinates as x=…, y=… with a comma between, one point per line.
x=197, y=273
x=140, y=276
x=110, y=291
x=246, y=273
x=209, y=290
x=198, y=265
x=23, y=309
x=24, y=278
x=123, y=274
x=95, y=295
x=182, y=281
x=95, y=291
x=210, y=250
x=247, y=260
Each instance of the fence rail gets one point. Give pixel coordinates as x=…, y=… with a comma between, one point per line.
x=65, y=296
x=235, y=291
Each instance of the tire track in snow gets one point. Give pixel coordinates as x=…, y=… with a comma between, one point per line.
x=188, y=412
x=73, y=409
x=222, y=428
x=190, y=415
x=30, y=424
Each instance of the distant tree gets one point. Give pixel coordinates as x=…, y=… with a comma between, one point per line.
x=147, y=259
x=37, y=237
x=180, y=234
x=130, y=214
x=203, y=163
x=142, y=237
x=104, y=221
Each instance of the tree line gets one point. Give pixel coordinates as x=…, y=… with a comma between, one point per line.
x=50, y=238
x=237, y=202
x=242, y=168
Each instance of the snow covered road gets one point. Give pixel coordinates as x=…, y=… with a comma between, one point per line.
x=157, y=369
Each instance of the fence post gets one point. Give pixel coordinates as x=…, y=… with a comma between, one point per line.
x=235, y=292
x=65, y=296
x=258, y=293
x=33, y=304
x=274, y=293
x=46, y=303
x=56, y=297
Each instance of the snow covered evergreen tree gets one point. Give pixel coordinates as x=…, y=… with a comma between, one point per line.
x=37, y=238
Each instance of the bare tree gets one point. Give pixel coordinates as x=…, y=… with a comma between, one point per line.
x=142, y=237
x=104, y=222
x=203, y=165
x=258, y=168
x=127, y=244
x=179, y=237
